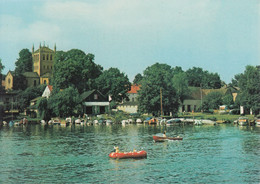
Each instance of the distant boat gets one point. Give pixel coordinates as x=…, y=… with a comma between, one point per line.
x=243, y=121
x=208, y=122
x=257, y=122
x=162, y=139
x=173, y=121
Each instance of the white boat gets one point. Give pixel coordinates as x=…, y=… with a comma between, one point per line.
x=173, y=121
x=139, y=121
x=197, y=122
x=108, y=122
x=208, y=122
x=43, y=122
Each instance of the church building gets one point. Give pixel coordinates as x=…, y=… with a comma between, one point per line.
x=43, y=59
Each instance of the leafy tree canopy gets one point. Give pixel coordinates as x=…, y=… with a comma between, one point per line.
x=113, y=82
x=1, y=66
x=155, y=78
x=180, y=83
x=65, y=103
x=138, y=78
x=198, y=77
x=24, y=63
x=76, y=69
x=249, y=85
x=212, y=101
x=27, y=95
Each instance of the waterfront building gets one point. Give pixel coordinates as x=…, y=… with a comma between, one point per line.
x=94, y=102
x=130, y=106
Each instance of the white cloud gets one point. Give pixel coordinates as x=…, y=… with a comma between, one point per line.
x=14, y=29
x=129, y=13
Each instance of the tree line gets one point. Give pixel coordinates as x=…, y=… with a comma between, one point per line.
x=75, y=72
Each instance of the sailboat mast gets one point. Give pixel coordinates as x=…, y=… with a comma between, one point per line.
x=161, y=102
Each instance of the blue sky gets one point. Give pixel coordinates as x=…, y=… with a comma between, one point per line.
x=220, y=36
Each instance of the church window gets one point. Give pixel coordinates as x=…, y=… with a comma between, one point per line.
x=47, y=57
x=50, y=57
x=43, y=57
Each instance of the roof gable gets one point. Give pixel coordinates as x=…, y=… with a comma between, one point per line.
x=134, y=88
x=89, y=96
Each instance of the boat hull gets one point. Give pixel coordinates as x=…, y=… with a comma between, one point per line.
x=162, y=139
x=122, y=155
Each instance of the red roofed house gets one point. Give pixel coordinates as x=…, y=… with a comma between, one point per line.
x=130, y=106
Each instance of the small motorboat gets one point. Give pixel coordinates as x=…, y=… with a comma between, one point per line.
x=162, y=139
x=134, y=154
x=243, y=121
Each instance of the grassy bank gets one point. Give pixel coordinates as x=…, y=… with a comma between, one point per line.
x=216, y=117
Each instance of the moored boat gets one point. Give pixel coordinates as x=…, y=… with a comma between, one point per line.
x=257, y=122
x=162, y=139
x=134, y=154
x=243, y=121
x=173, y=121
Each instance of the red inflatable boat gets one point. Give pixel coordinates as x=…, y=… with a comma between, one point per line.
x=136, y=154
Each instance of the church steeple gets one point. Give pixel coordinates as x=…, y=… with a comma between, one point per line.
x=33, y=48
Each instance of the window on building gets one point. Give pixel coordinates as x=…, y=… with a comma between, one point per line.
x=34, y=82
x=47, y=67
x=47, y=57
x=95, y=96
x=43, y=57
x=50, y=57
x=44, y=82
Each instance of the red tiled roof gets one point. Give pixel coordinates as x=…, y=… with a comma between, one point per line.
x=50, y=88
x=134, y=89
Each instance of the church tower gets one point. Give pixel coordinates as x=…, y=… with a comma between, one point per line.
x=43, y=60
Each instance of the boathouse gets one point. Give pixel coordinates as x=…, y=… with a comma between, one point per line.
x=94, y=102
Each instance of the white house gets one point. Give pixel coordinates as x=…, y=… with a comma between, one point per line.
x=47, y=92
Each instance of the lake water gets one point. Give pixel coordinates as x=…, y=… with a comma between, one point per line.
x=77, y=154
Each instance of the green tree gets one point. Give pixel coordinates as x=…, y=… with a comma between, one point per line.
x=74, y=69
x=197, y=77
x=43, y=110
x=114, y=83
x=228, y=100
x=212, y=101
x=27, y=95
x=156, y=78
x=138, y=78
x=24, y=63
x=180, y=83
x=249, y=95
x=1, y=69
x=1, y=66
x=65, y=103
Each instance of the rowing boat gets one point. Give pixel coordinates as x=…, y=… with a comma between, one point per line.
x=162, y=139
